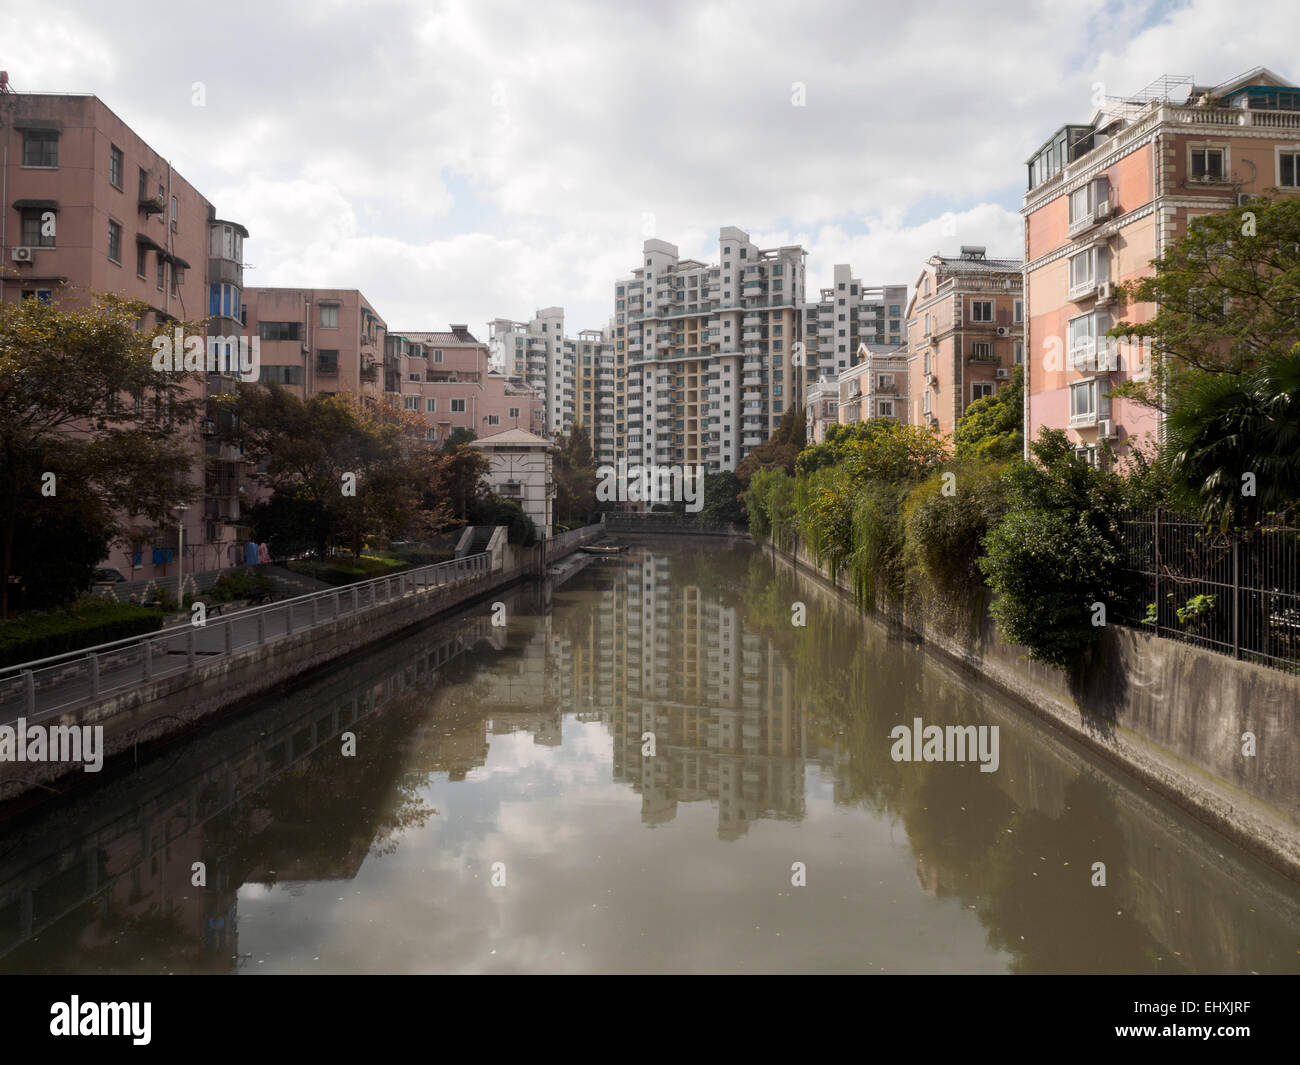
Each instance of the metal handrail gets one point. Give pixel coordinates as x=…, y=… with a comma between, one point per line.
x=182, y=639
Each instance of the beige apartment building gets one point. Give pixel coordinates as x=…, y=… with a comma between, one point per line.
x=875, y=387
x=708, y=350
x=89, y=208
x=965, y=328
x=1108, y=196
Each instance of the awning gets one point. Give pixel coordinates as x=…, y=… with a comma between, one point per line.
x=149, y=242
x=37, y=205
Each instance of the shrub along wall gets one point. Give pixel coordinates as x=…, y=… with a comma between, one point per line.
x=89, y=621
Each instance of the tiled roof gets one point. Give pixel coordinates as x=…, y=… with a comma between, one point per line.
x=458, y=337
x=977, y=266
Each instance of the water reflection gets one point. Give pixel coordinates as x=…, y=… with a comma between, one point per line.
x=524, y=745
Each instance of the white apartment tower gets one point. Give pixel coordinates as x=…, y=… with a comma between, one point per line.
x=707, y=349
x=848, y=315
x=535, y=352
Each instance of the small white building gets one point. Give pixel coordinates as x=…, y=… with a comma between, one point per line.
x=522, y=469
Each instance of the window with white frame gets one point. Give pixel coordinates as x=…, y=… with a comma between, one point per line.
x=981, y=310
x=329, y=315
x=981, y=350
x=1083, y=271
x=458, y=406
x=925, y=402
x=1081, y=341
x=437, y=354
x=927, y=323
x=925, y=364
x=1207, y=163
x=885, y=382
x=431, y=435
x=1288, y=169
x=494, y=419
x=411, y=402
x=431, y=405
x=1079, y=204
x=1083, y=402
x=1018, y=352
x=980, y=389
x=514, y=412
x=1018, y=311
x=884, y=408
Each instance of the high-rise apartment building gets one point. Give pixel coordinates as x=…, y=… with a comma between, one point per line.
x=965, y=326
x=594, y=377
x=850, y=314
x=1108, y=196
x=708, y=351
x=90, y=208
x=534, y=352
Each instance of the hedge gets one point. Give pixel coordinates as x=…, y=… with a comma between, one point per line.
x=347, y=570
x=89, y=621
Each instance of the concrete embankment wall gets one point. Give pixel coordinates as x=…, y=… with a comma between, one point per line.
x=1170, y=713
x=168, y=705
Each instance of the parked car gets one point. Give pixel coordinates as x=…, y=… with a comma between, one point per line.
x=107, y=575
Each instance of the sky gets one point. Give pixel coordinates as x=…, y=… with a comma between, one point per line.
x=462, y=160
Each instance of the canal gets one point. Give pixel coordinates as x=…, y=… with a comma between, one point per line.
x=479, y=797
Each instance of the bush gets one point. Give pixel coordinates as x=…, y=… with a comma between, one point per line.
x=497, y=510
x=232, y=586
x=1055, y=553
x=769, y=501
x=86, y=622
x=346, y=569
x=942, y=532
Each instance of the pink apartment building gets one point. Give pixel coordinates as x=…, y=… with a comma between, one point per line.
x=448, y=377
x=1108, y=196
x=318, y=340
x=90, y=208
x=965, y=326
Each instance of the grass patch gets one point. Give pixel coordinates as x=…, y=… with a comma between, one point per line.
x=89, y=621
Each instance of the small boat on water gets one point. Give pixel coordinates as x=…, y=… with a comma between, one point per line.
x=603, y=549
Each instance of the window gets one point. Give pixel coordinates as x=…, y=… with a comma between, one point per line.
x=410, y=402
x=1081, y=341
x=280, y=330
x=327, y=361
x=437, y=354
x=926, y=330
x=281, y=375
x=885, y=382
x=1018, y=311
x=458, y=406
x=1018, y=352
x=413, y=377
x=1207, y=164
x=115, y=166
x=162, y=273
x=175, y=212
x=431, y=405
x=514, y=412
x=115, y=242
x=40, y=147
x=34, y=228
x=980, y=389
x=431, y=435
x=43, y=295
x=981, y=350
x=144, y=184
x=981, y=310
x=1082, y=274
x=224, y=300
x=1288, y=170
x=141, y=261
x=329, y=315
x=925, y=402
x=1083, y=402
x=494, y=419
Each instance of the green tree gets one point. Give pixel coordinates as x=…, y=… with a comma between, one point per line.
x=992, y=428
x=1055, y=553
x=723, y=500
x=780, y=450
x=80, y=399
x=575, y=478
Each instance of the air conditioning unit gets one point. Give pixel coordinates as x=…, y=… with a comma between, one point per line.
x=931, y=379
x=1102, y=211
x=1244, y=198
x=1002, y=330
x=1001, y=373
x=1105, y=428
x=1104, y=292
x=23, y=255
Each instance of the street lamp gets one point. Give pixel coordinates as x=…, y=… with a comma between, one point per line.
x=180, y=509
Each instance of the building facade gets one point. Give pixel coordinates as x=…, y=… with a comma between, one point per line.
x=1108, y=196
x=965, y=329
x=91, y=208
x=708, y=351
x=875, y=387
x=848, y=315
x=534, y=352
x=521, y=468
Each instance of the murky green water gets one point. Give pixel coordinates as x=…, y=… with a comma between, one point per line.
x=499, y=813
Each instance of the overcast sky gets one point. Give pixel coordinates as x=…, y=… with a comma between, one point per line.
x=460, y=161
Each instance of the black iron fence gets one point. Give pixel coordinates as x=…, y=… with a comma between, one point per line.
x=1236, y=593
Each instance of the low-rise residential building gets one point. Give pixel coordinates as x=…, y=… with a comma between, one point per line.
x=965, y=328
x=875, y=387
x=449, y=378
x=90, y=208
x=821, y=409
x=318, y=340
x=1108, y=196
